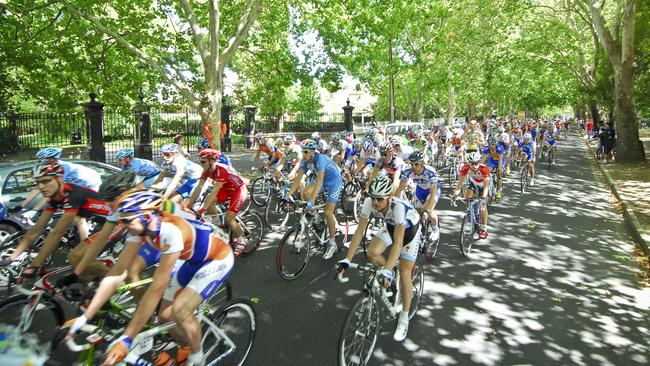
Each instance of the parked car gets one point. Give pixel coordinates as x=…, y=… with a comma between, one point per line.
x=16, y=180
x=400, y=128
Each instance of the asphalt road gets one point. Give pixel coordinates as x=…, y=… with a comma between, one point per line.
x=553, y=284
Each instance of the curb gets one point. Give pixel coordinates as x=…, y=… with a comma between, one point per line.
x=629, y=215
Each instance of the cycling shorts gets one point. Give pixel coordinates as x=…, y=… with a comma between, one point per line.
x=149, y=181
x=409, y=250
x=186, y=189
x=492, y=164
x=149, y=254
x=421, y=196
x=333, y=190
x=204, y=278
x=237, y=197
x=476, y=188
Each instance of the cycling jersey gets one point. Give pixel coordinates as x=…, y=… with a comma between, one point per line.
x=371, y=158
x=339, y=146
x=143, y=167
x=405, y=151
x=550, y=137
x=474, y=137
x=477, y=176
x=223, y=159
x=234, y=189
x=269, y=148
x=400, y=212
x=493, y=156
x=82, y=201
x=192, y=170
x=423, y=183
x=528, y=148
x=332, y=179
x=323, y=146
x=392, y=166
x=293, y=155
x=80, y=175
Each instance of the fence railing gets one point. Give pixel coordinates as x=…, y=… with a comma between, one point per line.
x=41, y=129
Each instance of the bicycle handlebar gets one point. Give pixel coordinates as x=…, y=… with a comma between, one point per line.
x=361, y=267
x=73, y=346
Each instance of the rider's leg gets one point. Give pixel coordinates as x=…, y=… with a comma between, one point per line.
x=406, y=283
x=376, y=250
x=94, y=268
x=331, y=220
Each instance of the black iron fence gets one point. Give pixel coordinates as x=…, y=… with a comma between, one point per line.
x=26, y=131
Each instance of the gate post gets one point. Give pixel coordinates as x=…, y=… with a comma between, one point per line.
x=226, y=143
x=347, y=116
x=14, y=146
x=94, y=112
x=249, y=128
x=143, y=146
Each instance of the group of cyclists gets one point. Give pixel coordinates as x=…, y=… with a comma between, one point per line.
x=163, y=217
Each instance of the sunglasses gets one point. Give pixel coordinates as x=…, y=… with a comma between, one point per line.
x=204, y=161
x=378, y=199
x=416, y=163
x=44, y=181
x=287, y=144
x=474, y=164
x=386, y=154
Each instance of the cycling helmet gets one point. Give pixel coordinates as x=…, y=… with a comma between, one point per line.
x=315, y=135
x=368, y=145
x=357, y=142
x=127, y=152
x=290, y=138
x=308, y=144
x=51, y=170
x=381, y=187
x=386, y=148
x=474, y=157
x=502, y=129
x=116, y=184
x=395, y=141
x=458, y=131
x=417, y=133
x=49, y=153
x=336, y=137
x=203, y=143
x=416, y=156
x=379, y=139
x=169, y=148
x=259, y=137
x=138, y=200
x=209, y=154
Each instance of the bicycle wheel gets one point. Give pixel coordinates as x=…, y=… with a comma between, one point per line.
x=430, y=247
x=293, y=253
x=359, y=333
x=342, y=228
x=349, y=193
x=253, y=230
x=24, y=259
x=417, y=276
x=222, y=296
x=238, y=321
x=260, y=191
x=272, y=211
x=466, y=233
x=43, y=322
x=524, y=178
x=452, y=175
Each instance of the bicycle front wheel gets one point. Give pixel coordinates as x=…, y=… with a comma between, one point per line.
x=524, y=178
x=466, y=233
x=430, y=246
x=360, y=331
x=252, y=227
x=260, y=191
x=41, y=321
x=238, y=321
x=293, y=253
x=417, y=276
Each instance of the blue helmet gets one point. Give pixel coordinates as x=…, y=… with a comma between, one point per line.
x=49, y=153
x=309, y=144
x=139, y=200
x=169, y=148
x=127, y=152
x=203, y=143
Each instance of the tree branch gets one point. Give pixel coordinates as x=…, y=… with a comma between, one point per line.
x=196, y=31
x=604, y=35
x=214, y=17
x=248, y=18
x=57, y=17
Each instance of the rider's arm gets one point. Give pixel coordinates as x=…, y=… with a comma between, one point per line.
x=459, y=185
x=486, y=187
x=360, y=164
x=54, y=238
x=396, y=176
x=32, y=234
x=197, y=190
x=373, y=174
x=154, y=293
x=400, y=188
x=209, y=200
x=318, y=185
x=171, y=188
x=160, y=177
x=296, y=182
x=94, y=248
x=296, y=166
x=396, y=248
x=356, y=238
x=257, y=157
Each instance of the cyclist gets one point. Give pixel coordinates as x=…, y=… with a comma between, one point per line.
x=475, y=180
x=340, y=149
x=367, y=158
x=401, y=149
x=183, y=170
x=204, y=143
x=527, y=147
x=78, y=204
x=142, y=167
x=475, y=138
x=400, y=232
x=457, y=144
x=550, y=140
x=267, y=146
x=389, y=163
x=228, y=186
x=427, y=188
x=493, y=157
x=72, y=173
x=323, y=146
x=328, y=177
x=292, y=156
x=503, y=139
x=207, y=261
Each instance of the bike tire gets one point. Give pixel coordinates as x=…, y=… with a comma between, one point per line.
x=358, y=204
x=524, y=179
x=349, y=192
x=25, y=258
x=238, y=320
x=253, y=232
x=430, y=247
x=271, y=210
x=260, y=192
x=288, y=254
x=360, y=331
x=466, y=238
x=44, y=322
x=417, y=276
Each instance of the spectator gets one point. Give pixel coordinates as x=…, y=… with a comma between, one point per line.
x=590, y=127
x=611, y=132
x=180, y=141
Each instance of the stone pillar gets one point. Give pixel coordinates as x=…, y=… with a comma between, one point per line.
x=94, y=112
x=143, y=142
x=226, y=143
x=347, y=116
x=249, y=129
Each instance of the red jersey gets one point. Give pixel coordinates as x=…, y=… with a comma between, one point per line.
x=477, y=176
x=224, y=174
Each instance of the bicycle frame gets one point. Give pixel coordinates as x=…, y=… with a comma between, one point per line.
x=372, y=286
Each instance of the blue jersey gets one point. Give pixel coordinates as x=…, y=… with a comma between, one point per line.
x=223, y=159
x=527, y=147
x=80, y=175
x=425, y=180
x=322, y=163
x=143, y=167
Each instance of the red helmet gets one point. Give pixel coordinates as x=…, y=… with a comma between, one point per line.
x=51, y=170
x=210, y=154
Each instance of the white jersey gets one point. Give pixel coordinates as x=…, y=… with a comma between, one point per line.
x=405, y=152
x=336, y=149
x=399, y=212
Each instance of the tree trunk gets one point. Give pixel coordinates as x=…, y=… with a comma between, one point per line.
x=451, y=105
x=595, y=114
x=629, y=148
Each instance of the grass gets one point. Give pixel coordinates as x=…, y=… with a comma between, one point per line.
x=644, y=132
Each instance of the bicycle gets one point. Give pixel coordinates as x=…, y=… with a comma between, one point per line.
x=428, y=247
x=234, y=320
x=470, y=226
x=362, y=323
x=308, y=237
x=251, y=224
x=452, y=176
x=525, y=177
x=353, y=190
x=263, y=186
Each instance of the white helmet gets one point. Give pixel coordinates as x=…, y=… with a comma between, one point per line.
x=474, y=157
x=528, y=136
x=381, y=187
x=315, y=135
